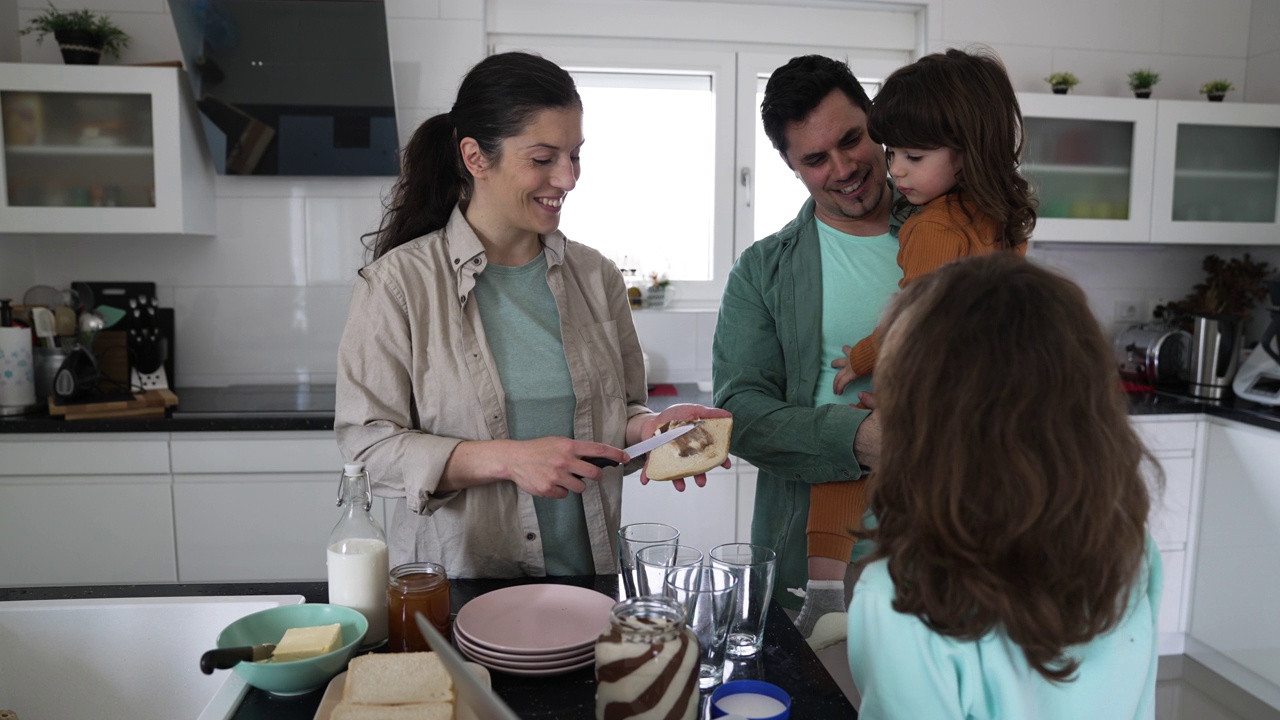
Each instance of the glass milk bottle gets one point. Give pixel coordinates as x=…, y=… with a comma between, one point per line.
x=357, y=558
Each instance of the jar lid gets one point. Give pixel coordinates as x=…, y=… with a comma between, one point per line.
x=750, y=699
x=353, y=468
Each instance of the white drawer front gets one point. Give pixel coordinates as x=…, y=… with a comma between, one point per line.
x=1171, y=510
x=319, y=454
x=1170, y=620
x=84, y=457
x=1159, y=435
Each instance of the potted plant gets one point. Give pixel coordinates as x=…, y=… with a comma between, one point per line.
x=1216, y=89
x=82, y=35
x=1232, y=288
x=1141, y=82
x=1062, y=82
x=656, y=293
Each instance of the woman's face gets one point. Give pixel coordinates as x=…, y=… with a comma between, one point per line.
x=527, y=185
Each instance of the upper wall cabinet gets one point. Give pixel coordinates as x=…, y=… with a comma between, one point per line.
x=1126, y=170
x=101, y=149
x=1089, y=160
x=1217, y=172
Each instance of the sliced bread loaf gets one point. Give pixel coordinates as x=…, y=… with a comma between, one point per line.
x=397, y=679
x=697, y=451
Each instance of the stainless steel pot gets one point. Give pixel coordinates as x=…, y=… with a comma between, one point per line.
x=1154, y=354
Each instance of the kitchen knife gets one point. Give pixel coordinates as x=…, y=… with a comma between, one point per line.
x=645, y=446
x=482, y=701
x=227, y=658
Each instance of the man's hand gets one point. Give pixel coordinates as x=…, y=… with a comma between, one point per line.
x=866, y=442
x=846, y=374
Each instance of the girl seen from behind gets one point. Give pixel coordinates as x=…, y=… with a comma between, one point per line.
x=1013, y=575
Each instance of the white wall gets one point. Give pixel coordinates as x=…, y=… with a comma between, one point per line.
x=265, y=300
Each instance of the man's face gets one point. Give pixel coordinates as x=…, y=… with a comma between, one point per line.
x=842, y=168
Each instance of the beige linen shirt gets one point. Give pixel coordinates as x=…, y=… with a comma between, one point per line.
x=415, y=378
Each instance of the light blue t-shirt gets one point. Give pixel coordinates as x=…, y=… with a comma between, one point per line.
x=859, y=275
x=522, y=324
x=905, y=670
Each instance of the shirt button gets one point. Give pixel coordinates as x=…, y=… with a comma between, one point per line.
x=530, y=536
x=798, y=477
x=846, y=472
x=476, y=261
x=462, y=298
x=456, y=261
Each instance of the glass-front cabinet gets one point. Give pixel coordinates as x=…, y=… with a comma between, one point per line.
x=101, y=149
x=1217, y=174
x=1089, y=160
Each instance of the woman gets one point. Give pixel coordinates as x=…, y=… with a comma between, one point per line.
x=1013, y=575
x=485, y=355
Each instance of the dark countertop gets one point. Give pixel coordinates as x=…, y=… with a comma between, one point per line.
x=310, y=407
x=786, y=659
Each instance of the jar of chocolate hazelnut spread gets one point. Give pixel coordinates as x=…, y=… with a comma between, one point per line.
x=647, y=662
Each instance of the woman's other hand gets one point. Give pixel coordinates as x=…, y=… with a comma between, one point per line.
x=649, y=425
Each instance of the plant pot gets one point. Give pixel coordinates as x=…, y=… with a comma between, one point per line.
x=655, y=297
x=1142, y=93
x=79, y=47
x=1216, y=97
x=1060, y=89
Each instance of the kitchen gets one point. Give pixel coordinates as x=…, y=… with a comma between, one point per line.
x=262, y=301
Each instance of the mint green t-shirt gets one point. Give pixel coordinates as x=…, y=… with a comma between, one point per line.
x=859, y=275
x=522, y=324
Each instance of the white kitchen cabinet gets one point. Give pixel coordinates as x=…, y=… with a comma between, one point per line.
x=705, y=517
x=1217, y=169
x=102, y=149
x=256, y=506
x=1090, y=162
x=1234, y=628
x=85, y=509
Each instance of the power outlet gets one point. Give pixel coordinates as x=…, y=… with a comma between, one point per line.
x=1132, y=311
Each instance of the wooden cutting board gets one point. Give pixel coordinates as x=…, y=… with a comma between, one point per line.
x=151, y=403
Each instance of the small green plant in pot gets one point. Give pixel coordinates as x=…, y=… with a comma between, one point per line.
x=1216, y=90
x=1062, y=82
x=1141, y=82
x=82, y=35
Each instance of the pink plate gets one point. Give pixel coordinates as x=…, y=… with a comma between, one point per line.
x=462, y=637
x=535, y=619
x=540, y=671
x=478, y=651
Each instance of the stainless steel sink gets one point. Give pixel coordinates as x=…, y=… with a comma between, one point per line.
x=135, y=658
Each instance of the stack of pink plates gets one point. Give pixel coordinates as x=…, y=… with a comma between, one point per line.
x=533, y=629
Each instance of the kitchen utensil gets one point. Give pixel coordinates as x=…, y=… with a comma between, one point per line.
x=43, y=295
x=486, y=704
x=298, y=676
x=42, y=320
x=1216, y=341
x=64, y=321
x=110, y=315
x=227, y=658
x=645, y=446
x=48, y=360
x=1155, y=354
x=1259, y=377
x=91, y=323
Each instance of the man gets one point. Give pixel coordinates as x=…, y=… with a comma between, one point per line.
x=792, y=301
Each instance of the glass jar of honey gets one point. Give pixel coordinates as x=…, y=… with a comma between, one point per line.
x=416, y=588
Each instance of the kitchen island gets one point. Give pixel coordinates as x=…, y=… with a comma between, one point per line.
x=786, y=659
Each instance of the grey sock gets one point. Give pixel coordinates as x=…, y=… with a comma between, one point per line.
x=821, y=597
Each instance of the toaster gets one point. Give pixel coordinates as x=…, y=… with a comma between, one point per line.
x=1154, y=354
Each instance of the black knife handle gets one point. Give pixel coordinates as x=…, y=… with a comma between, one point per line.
x=224, y=658
x=603, y=462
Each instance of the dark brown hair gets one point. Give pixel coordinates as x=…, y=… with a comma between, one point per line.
x=798, y=87
x=1009, y=495
x=496, y=100
x=963, y=101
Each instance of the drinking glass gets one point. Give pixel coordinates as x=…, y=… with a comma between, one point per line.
x=755, y=567
x=635, y=537
x=653, y=562
x=709, y=596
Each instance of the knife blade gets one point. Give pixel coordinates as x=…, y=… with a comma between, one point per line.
x=645, y=446
x=483, y=701
x=227, y=658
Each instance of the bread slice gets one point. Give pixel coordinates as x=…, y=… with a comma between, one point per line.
x=397, y=679
x=697, y=451
x=417, y=711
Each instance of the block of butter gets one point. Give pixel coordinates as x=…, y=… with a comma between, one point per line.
x=305, y=642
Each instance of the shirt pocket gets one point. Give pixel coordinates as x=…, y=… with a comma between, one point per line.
x=603, y=356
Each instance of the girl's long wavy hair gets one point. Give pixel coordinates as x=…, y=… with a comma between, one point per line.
x=963, y=101
x=496, y=100
x=1009, y=495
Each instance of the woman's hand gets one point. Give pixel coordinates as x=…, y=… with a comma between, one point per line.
x=549, y=467
x=846, y=374
x=649, y=424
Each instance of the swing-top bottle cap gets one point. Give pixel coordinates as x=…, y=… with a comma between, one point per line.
x=353, y=468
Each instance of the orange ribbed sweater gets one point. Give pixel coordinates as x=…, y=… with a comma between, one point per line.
x=939, y=233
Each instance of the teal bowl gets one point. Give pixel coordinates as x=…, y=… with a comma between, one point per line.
x=296, y=676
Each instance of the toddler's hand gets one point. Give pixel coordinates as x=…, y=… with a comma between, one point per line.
x=846, y=374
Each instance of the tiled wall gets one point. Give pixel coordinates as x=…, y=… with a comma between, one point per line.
x=265, y=299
